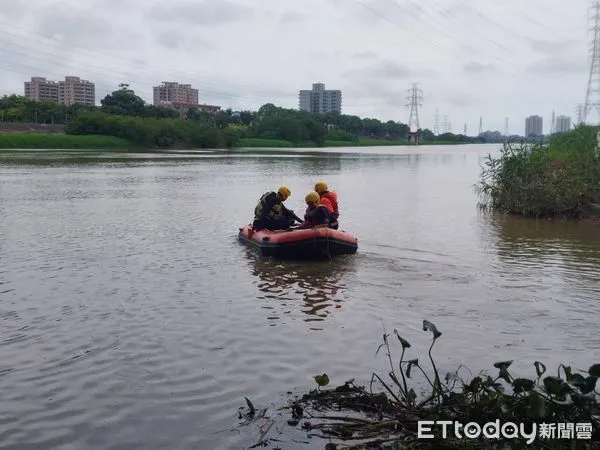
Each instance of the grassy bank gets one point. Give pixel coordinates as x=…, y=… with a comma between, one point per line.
x=61, y=141
x=560, y=179
x=354, y=416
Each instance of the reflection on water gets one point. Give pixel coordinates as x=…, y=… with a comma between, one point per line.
x=529, y=242
x=315, y=288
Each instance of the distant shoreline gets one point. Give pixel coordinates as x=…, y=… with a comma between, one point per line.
x=57, y=141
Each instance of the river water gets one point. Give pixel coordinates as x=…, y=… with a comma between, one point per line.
x=131, y=317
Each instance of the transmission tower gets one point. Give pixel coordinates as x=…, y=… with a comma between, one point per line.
x=436, y=123
x=506, y=126
x=592, y=96
x=445, y=124
x=415, y=99
x=480, y=126
x=465, y=130
x=553, y=124
x=579, y=114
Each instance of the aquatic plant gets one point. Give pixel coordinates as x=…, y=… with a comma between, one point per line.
x=363, y=418
x=558, y=179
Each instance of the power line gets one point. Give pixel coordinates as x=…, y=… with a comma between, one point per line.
x=418, y=36
x=87, y=53
x=464, y=42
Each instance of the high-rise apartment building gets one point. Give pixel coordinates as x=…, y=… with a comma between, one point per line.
x=534, y=125
x=172, y=93
x=39, y=89
x=74, y=90
x=68, y=92
x=563, y=123
x=320, y=100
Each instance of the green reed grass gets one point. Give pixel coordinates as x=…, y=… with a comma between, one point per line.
x=557, y=179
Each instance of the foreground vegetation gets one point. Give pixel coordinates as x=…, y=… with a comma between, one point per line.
x=360, y=417
x=125, y=115
x=61, y=141
x=559, y=179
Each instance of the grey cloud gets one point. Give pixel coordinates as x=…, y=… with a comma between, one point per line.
x=551, y=48
x=459, y=100
x=11, y=10
x=174, y=40
x=455, y=10
x=374, y=91
x=73, y=25
x=207, y=12
x=171, y=39
x=384, y=69
x=291, y=17
x=365, y=55
x=560, y=65
x=396, y=12
x=475, y=67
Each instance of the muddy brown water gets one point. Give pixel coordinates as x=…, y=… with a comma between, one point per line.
x=131, y=317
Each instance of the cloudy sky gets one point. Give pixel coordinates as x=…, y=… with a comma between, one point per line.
x=472, y=59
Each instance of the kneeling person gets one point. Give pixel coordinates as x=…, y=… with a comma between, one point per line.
x=317, y=214
x=270, y=213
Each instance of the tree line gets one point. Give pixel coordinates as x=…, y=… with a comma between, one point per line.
x=124, y=114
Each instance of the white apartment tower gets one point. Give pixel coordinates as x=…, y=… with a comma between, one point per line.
x=320, y=100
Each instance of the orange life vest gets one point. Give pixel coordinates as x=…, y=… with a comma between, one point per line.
x=329, y=199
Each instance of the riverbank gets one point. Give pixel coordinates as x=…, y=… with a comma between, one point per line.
x=43, y=141
x=560, y=179
x=483, y=405
x=362, y=142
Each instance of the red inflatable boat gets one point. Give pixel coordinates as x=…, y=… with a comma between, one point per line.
x=307, y=243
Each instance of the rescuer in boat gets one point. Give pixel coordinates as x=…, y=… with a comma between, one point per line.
x=270, y=213
x=317, y=214
x=329, y=199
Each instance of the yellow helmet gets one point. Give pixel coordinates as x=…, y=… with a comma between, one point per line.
x=312, y=196
x=284, y=191
x=321, y=186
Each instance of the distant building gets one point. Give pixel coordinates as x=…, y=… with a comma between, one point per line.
x=39, y=89
x=69, y=92
x=213, y=109
x=534, y=125
x=176, y=94
x=320, y=100
x=563, y=123
x=74, y=90
x=180, y=97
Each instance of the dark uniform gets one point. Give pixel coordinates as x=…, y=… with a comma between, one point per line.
x=270, y=214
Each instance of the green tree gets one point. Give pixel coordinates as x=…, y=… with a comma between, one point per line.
x=123, y=102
